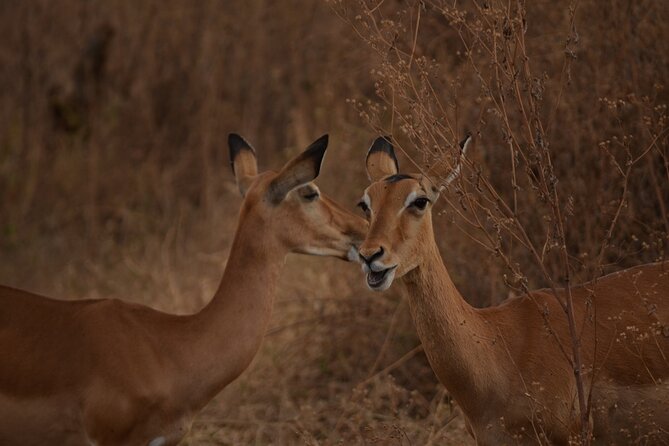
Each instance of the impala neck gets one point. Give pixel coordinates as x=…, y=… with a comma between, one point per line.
x=225, y=336
x=456, y=339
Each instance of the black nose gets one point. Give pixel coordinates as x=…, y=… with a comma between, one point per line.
x=376, y=255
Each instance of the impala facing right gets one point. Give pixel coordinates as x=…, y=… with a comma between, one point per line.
x=501, y=364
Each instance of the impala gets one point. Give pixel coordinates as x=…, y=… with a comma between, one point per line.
x=503, y=365
x=107, y=372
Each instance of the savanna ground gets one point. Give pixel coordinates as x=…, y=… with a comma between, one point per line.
x=114, y=177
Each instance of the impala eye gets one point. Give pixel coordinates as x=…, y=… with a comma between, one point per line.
x=311, y=196
x=420, y=203
x=362, y=205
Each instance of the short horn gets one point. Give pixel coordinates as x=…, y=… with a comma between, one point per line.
x=464, y=145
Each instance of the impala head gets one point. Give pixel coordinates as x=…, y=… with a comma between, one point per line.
x=398, y=208
x=289, y=205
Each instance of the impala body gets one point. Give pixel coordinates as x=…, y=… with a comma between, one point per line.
x=107, y=372
x=506, y=365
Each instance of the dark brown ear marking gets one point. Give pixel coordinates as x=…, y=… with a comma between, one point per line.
x=316, y=152
x=397, y=177
x=236, y=144
x=383, y=144
x=381, y=161
x=298, y=171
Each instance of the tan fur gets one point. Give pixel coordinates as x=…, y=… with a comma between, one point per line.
x=108, y=372
x=502, y=364
x=245, y=170
x=378, y=164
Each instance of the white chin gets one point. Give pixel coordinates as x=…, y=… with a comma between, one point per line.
x=352, y=255
x=383, y=284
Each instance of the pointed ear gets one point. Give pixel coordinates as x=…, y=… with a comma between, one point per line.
x=299, y=171
x=243, y=161
x=381, y=160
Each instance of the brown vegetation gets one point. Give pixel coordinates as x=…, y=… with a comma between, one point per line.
x=114, y=179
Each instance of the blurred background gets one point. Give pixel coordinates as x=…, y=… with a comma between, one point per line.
x=115, y=180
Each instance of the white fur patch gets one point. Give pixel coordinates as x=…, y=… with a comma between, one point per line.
x=367, y=200
x=315, y=251
x=353, y=255
x=158, y=441
x=410, y=198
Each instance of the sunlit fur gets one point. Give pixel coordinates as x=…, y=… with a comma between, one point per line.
x=503, y=365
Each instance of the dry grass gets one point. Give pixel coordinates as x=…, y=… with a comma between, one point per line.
x=114, y=180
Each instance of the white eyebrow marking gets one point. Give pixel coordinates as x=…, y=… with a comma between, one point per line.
x=311, y=188
x=410, y=198
x=306, y=189
x=367, y=200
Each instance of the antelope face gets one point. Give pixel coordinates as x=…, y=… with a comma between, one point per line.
x=398, y=208
x=291, y=206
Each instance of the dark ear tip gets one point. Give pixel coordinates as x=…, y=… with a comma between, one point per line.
x=236, y=144
x=319, y=145
x=317, y=151
x=322, y=140
x=317, y=148
x=384, y=144
x=232, y=137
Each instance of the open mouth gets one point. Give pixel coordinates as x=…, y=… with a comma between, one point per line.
x=376, y=279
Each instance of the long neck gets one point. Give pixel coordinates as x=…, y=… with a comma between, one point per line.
x=457, y=341
x=218, y=343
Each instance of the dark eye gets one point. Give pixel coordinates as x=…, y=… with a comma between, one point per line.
x=420, y=203
x=362, y=205
x=311, y=196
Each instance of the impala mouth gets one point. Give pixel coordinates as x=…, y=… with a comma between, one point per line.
x=380, y=280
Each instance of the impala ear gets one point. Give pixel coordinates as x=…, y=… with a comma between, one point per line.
x=299, y=171
x=243, y=162
x=381, y=160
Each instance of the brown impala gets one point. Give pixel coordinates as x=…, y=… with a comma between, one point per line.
x=107, y=372
x=500, y=364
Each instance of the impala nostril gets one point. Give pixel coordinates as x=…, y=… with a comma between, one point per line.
x=374, y=256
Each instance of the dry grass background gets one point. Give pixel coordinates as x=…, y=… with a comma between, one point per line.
x=114, y=178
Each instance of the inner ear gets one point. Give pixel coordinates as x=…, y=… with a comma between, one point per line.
x=243, y=161
x=381, y=160
x=299, y=171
